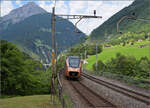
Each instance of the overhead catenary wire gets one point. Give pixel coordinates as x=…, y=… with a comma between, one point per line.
x=53, y=19
x=132, y=17
x=142, y=19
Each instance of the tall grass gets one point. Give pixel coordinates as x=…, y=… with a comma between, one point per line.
x=36, y=101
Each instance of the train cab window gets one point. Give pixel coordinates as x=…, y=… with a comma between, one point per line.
x=74, y=62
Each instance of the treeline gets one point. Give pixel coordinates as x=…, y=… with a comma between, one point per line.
x=81, y=49
x=129, y=38
x=20, y=74
x=125, y=65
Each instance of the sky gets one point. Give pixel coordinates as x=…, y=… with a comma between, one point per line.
x=104, y=8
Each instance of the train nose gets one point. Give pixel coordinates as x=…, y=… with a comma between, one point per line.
x=73, y=74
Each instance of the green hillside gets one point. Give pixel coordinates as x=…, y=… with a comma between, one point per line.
x=128, y=50
x=107, y=30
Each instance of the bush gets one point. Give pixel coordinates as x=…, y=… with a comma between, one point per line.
x=92, y=49
x=132, y=43
x=144, y=68
x=100, y=66
x=80, y=50
x=20, y=74
x=127, y=66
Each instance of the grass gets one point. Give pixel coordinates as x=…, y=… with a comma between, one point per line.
x=68, y=101
x=128, y=50
x=36, y=101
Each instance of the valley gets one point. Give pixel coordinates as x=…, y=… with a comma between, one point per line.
x=49, y=61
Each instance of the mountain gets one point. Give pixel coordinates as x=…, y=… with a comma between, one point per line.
x=20, y=14
x=107, y=30
x=33, y=34
x=23, y=12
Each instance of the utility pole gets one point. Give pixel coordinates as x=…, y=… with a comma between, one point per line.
x=85, y=53
x=53, y=51
x=96, y=56
x=62, y=17
x=56, y=56
x=84, y=57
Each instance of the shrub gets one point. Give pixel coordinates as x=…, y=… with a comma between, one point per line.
x=126, y=65
x=100, y=66
x=20, y=74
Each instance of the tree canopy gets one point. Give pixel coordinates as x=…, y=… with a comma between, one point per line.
x=20, y=74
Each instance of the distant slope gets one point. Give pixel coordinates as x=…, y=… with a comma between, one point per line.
x=108, y=29
x=128, y=50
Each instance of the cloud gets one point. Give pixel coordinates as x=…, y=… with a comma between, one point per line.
x=77, y=7
x=103, y=8
x=61, y=8
x=6, y=7
x=60, y=5
x=18, y=2
x=89, y=24
x=46, y=6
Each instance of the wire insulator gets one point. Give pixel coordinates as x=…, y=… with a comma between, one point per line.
x=94, y=12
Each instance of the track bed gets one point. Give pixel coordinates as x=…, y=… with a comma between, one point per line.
x=92, y=98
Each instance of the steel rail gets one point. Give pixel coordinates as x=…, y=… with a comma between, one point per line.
x=125, y=91
x=80, y=93
x=93, y=93
x=97, y=95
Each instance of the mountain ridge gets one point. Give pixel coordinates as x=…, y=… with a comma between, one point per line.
x=108, y=29
x=33, y=35
x=23, y=12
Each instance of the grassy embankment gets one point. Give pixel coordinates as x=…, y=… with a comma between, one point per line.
x=128, y=50
x=36, y=101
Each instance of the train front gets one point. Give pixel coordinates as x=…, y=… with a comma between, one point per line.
x=73, y=69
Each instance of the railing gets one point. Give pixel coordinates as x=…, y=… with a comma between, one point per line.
x=60, y=95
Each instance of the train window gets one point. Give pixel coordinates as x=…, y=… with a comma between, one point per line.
x=74, y=62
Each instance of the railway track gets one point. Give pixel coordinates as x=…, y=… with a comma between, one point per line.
x=92, y=99
x=130, y=93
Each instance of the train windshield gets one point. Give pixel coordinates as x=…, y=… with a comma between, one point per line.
x=74, y=62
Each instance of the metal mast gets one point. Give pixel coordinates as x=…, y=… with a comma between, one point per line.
x=53, y=50
x=131, y=17
x=62, y=17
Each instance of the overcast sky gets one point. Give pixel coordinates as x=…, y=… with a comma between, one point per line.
x=104, y=8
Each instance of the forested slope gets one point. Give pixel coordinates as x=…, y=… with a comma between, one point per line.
x=107, y=30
